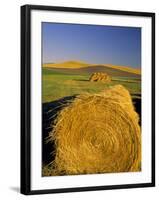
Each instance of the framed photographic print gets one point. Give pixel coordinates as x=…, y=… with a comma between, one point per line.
x=87, y=99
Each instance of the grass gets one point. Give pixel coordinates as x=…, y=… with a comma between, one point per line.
x=59, y=84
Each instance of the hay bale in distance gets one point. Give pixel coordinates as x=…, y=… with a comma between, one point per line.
x=99, y=76
x=97, y=133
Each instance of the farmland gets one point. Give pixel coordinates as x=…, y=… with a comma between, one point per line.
x=59, y=83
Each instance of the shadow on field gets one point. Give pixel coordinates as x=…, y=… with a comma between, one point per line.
x=50, y=111
x=137, y=104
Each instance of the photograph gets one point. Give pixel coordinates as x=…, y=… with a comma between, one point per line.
x=87, y=99
x=91, y=99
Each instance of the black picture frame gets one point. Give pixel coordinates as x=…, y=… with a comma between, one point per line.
x=26, y=98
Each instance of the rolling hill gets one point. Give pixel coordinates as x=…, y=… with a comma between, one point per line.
x=78, y=67
x=68, y=64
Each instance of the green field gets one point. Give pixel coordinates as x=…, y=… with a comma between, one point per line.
x=57, y=85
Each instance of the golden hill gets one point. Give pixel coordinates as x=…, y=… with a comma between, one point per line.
x=68, y=64
x=79, y=64
x=124, y=68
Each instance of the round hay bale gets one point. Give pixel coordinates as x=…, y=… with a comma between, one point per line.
x=99, y=76
x=97, y=133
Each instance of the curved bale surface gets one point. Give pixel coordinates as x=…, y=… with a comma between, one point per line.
x=99, y=76
x=97, y=133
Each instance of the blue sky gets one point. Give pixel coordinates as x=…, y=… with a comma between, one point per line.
x=91, y=43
